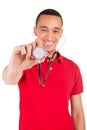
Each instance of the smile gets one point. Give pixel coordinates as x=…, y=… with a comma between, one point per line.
x=49, y=43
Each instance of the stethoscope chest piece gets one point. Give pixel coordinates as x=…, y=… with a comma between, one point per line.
x=39, y=52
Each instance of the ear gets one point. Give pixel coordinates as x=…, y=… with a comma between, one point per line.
x=35, y=31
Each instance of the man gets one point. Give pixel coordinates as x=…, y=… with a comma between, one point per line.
x=46, y=86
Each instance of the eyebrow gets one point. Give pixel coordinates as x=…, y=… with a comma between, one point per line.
x=54, y=27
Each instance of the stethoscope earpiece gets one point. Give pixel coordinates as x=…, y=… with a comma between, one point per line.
x=61, y=43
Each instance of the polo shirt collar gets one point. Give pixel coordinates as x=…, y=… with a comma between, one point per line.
x=59, y=57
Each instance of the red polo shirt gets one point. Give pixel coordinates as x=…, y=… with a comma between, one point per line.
x=46, y=108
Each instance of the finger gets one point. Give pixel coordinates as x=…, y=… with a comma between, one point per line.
x=29, y=51
x=39, y=42
x=34, y=44
x=20, y=50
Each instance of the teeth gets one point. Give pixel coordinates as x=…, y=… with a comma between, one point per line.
x=49, y=43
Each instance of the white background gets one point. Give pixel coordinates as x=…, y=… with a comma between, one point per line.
x=17, y=18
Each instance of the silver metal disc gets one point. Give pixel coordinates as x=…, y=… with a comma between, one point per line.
x=39, y=52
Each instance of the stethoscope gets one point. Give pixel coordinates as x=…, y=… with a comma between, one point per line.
x=39, y=53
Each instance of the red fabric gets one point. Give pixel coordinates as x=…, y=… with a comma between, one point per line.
x=46, y=108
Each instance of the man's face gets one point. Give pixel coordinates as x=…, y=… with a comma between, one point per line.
x=49, y=30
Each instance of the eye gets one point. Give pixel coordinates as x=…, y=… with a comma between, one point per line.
x=43, y=30
x=56, y=31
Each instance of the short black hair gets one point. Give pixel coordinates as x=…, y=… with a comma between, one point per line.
x=49, y=12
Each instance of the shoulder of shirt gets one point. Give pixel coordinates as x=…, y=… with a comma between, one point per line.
x=64, y=59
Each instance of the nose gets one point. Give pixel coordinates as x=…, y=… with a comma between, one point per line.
x=49, y=36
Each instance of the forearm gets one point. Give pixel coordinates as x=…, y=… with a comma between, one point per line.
x=9, y=77
x=79, y=122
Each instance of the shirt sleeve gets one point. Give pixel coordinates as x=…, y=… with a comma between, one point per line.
x=78, y=84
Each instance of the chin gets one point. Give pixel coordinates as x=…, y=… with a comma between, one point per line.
x=51, y=51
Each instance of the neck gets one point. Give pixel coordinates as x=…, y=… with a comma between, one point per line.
x=52, y=55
